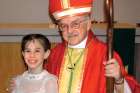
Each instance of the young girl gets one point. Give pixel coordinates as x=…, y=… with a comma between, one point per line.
x=35, y=49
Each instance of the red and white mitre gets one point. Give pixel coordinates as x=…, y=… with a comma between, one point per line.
x=62, y=8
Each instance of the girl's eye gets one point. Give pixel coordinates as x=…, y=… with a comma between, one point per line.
x=37, y=51
x=27, y=51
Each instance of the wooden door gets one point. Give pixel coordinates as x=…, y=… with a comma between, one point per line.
x=11, y=64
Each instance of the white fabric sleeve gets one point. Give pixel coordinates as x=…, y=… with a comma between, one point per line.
x=15, y=80
x=126, y=88
x=52, y=86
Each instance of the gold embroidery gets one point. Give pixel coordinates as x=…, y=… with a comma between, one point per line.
x=65, y=4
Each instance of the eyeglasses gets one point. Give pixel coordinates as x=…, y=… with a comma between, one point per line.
x=74, y=25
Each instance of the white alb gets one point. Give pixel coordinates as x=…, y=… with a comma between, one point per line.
x=43, y=82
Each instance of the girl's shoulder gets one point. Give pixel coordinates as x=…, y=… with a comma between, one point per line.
x=49, y=76
x=19, y=76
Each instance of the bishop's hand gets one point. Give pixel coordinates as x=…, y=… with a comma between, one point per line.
x=112, y=69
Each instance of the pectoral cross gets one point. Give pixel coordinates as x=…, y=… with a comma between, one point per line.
x=72, y=67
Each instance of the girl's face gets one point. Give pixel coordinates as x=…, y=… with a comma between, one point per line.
x=34, y=55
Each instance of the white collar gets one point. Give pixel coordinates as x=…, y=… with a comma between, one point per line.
x=80, y=45
x=31, y=76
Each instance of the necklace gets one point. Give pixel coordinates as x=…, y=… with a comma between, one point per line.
x=73, y=65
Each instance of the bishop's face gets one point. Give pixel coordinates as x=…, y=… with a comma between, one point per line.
x=74, y=28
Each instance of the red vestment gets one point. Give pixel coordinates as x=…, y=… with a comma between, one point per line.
x=94, y=80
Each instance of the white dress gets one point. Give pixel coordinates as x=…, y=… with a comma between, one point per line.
x=43, y=82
